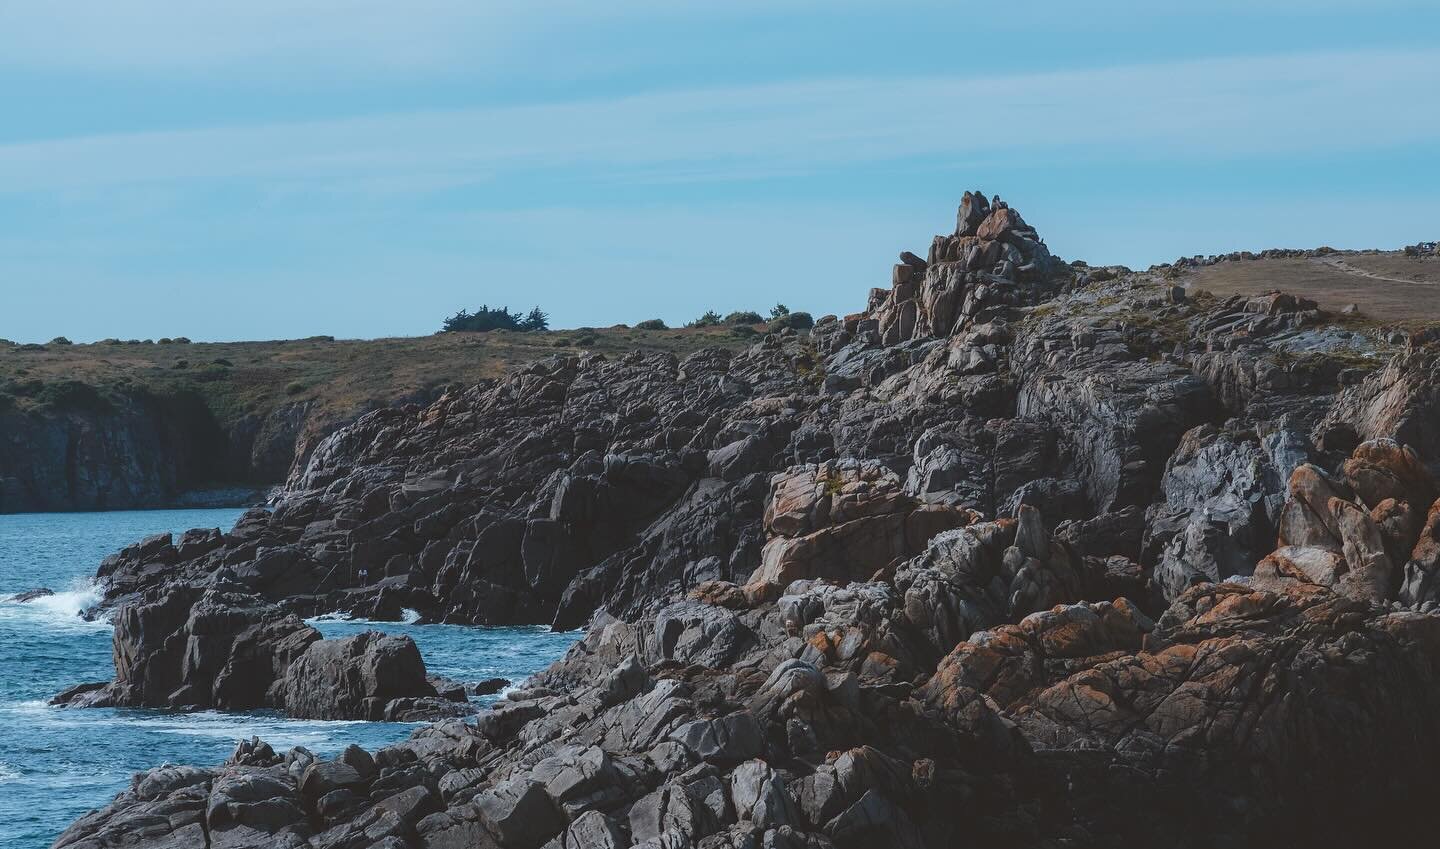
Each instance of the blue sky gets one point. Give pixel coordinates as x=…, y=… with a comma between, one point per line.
x=283, y=168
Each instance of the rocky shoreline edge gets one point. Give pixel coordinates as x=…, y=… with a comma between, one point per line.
x=1024, y=554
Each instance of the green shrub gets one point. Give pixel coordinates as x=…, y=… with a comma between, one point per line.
x=651, y=324
x=709, y=319
x=744, y=317
x=794, y=320
x=743, y=330
x=779, y=310
x=487, y=319
x=61, y=340
x=294, y=387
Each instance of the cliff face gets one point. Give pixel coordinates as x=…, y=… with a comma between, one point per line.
x=1024, y=554
x=128, y=451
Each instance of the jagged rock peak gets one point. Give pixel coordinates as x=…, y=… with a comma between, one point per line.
x=992, y=263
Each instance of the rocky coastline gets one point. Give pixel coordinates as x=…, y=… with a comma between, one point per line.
x=1025, y=553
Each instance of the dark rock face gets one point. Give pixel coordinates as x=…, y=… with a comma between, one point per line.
x=125, y=453
x=226, y=650
x=129, y=451
x=354, y=677
x=1025, y=554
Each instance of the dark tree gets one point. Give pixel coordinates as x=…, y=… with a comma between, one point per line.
x=709, y=319
x=536, y=319
x=499, y=318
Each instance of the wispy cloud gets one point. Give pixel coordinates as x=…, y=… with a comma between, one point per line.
x=426, y=35
x=1305, y=103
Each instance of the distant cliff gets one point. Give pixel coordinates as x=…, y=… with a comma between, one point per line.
x=120, y=425
x=138, y=450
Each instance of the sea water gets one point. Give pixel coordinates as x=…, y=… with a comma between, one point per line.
x=58, y=763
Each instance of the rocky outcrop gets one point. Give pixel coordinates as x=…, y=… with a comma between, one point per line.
x=842, y=521
x=993, y=261
x=1026, y=554
x=1400, y=401
x=1223, y=495
x=1354, y=533
x=223, y=649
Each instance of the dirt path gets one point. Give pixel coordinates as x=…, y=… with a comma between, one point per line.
x=1342, y=265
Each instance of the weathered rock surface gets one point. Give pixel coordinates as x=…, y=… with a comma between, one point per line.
x=226, y=650
x=1025, y=554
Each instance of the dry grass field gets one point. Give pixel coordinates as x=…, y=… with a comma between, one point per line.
x=1387, y=286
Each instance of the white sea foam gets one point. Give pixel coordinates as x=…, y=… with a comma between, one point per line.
x=407, y=617
x=8, y=772
x=29, y=705
x=58, y=611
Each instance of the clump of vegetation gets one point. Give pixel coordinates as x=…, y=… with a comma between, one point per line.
x=792, y=320
x=709, y=319
x=809, y=365
x=1153, y=334
x=652, y=324
x=743, y=330
x=744, y=317
x=294, y=387
x=487, y=319
x=61, y=340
